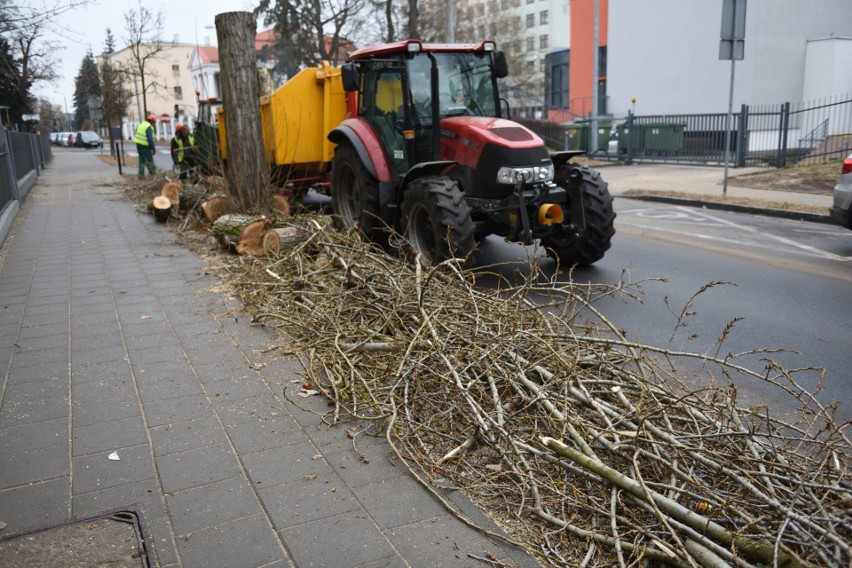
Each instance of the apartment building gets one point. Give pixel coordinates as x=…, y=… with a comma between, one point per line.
x=169, y=89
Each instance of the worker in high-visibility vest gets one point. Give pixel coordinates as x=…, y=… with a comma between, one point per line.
x=184, y=152
x=145, y=147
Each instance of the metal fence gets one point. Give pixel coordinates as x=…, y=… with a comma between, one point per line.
x=22, y=157
x=761, y=135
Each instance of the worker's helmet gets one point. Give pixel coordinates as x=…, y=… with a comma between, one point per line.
x=151, y=118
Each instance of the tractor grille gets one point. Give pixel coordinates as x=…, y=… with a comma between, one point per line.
x=512, y=133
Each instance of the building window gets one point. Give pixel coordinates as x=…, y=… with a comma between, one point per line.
x=178, y=93
x=530, y=1
x=530, y=44
x=531, y=66
x=504, y=5
x=530, y=20
x=543, y=17
x=544, y=42
x=176, y=70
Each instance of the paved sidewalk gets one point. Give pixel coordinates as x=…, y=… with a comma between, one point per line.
x=114, y=341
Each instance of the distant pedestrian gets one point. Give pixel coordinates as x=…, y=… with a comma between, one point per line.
x=145, y=145
x=184, y=152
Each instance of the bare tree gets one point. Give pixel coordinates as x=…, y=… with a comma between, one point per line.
x=143, y=30
x=311, y=31
x=116, y=98
x=18, y=17
x=26, y=58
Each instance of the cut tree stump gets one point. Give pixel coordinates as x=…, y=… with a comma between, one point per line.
x=172, y=191
x=280, y=240
x=162, y=208
x=251, y=237
x=215, y=207
x=228, y=228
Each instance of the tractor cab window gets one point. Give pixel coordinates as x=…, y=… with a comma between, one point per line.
x=465, y=84
x=381, y=104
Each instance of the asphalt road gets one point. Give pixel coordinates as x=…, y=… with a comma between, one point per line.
x=789, y=281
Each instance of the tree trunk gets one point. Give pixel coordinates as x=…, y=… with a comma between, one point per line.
x=251, y=238
x=413, y=25
x=192, y=195
x=280, y=240
x=228, y=228
x=246, y=169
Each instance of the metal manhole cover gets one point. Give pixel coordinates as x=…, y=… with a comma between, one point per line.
x=115, y=540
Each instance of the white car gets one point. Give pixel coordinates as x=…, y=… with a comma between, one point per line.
x=840, y=210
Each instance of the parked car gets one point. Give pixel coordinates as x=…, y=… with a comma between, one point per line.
x=88, y=139
x=840, y=210
x=54, y=138
x=72, y=139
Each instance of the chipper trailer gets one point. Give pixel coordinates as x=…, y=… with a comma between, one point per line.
x=413, y=139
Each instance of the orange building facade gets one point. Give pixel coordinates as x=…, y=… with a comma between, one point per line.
x=580, y=73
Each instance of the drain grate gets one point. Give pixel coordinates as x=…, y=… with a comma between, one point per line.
x=117, y=539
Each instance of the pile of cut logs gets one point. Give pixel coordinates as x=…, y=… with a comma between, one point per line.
x=254, y=235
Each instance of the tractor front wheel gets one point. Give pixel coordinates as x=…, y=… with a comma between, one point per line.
x=355, y=195
x=436, y=220
x=589, y=246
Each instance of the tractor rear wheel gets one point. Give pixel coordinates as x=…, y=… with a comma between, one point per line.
x=436, y=220
x=589, y=247
x=355, y=195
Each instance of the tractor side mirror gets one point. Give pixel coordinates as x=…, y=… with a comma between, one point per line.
x=501, y=66
x=349, y=74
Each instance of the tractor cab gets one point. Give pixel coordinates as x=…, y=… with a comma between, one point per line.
x=405, y=92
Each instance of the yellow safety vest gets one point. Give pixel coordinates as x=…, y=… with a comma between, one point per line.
x=141, y=133
x=179, y=143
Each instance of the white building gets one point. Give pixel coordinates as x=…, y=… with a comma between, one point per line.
x=169, y=87
x=666, y=54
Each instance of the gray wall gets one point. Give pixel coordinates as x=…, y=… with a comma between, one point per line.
x=666, y=53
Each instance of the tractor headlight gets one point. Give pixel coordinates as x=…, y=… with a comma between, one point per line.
x=531, y=174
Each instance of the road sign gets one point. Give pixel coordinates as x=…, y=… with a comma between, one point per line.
x=33, y=117
x=732, y=45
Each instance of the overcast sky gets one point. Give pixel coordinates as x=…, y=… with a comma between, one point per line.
x=84, y=28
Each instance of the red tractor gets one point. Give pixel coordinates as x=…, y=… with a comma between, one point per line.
x=430, y=154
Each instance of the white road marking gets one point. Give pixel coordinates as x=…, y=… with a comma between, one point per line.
x=689, y=216
x=783, y=240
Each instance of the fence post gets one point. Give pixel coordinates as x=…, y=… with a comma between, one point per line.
x=784, y=128
x=629, y=131
x=742, y=137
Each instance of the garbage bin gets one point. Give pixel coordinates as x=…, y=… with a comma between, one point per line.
x=577, y=137
x=663, y=139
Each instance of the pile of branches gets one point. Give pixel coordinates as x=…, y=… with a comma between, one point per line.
x=584, y=446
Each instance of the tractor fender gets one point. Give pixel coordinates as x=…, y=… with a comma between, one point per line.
x=426, y=169
x=560, y=158
x=361, y=137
